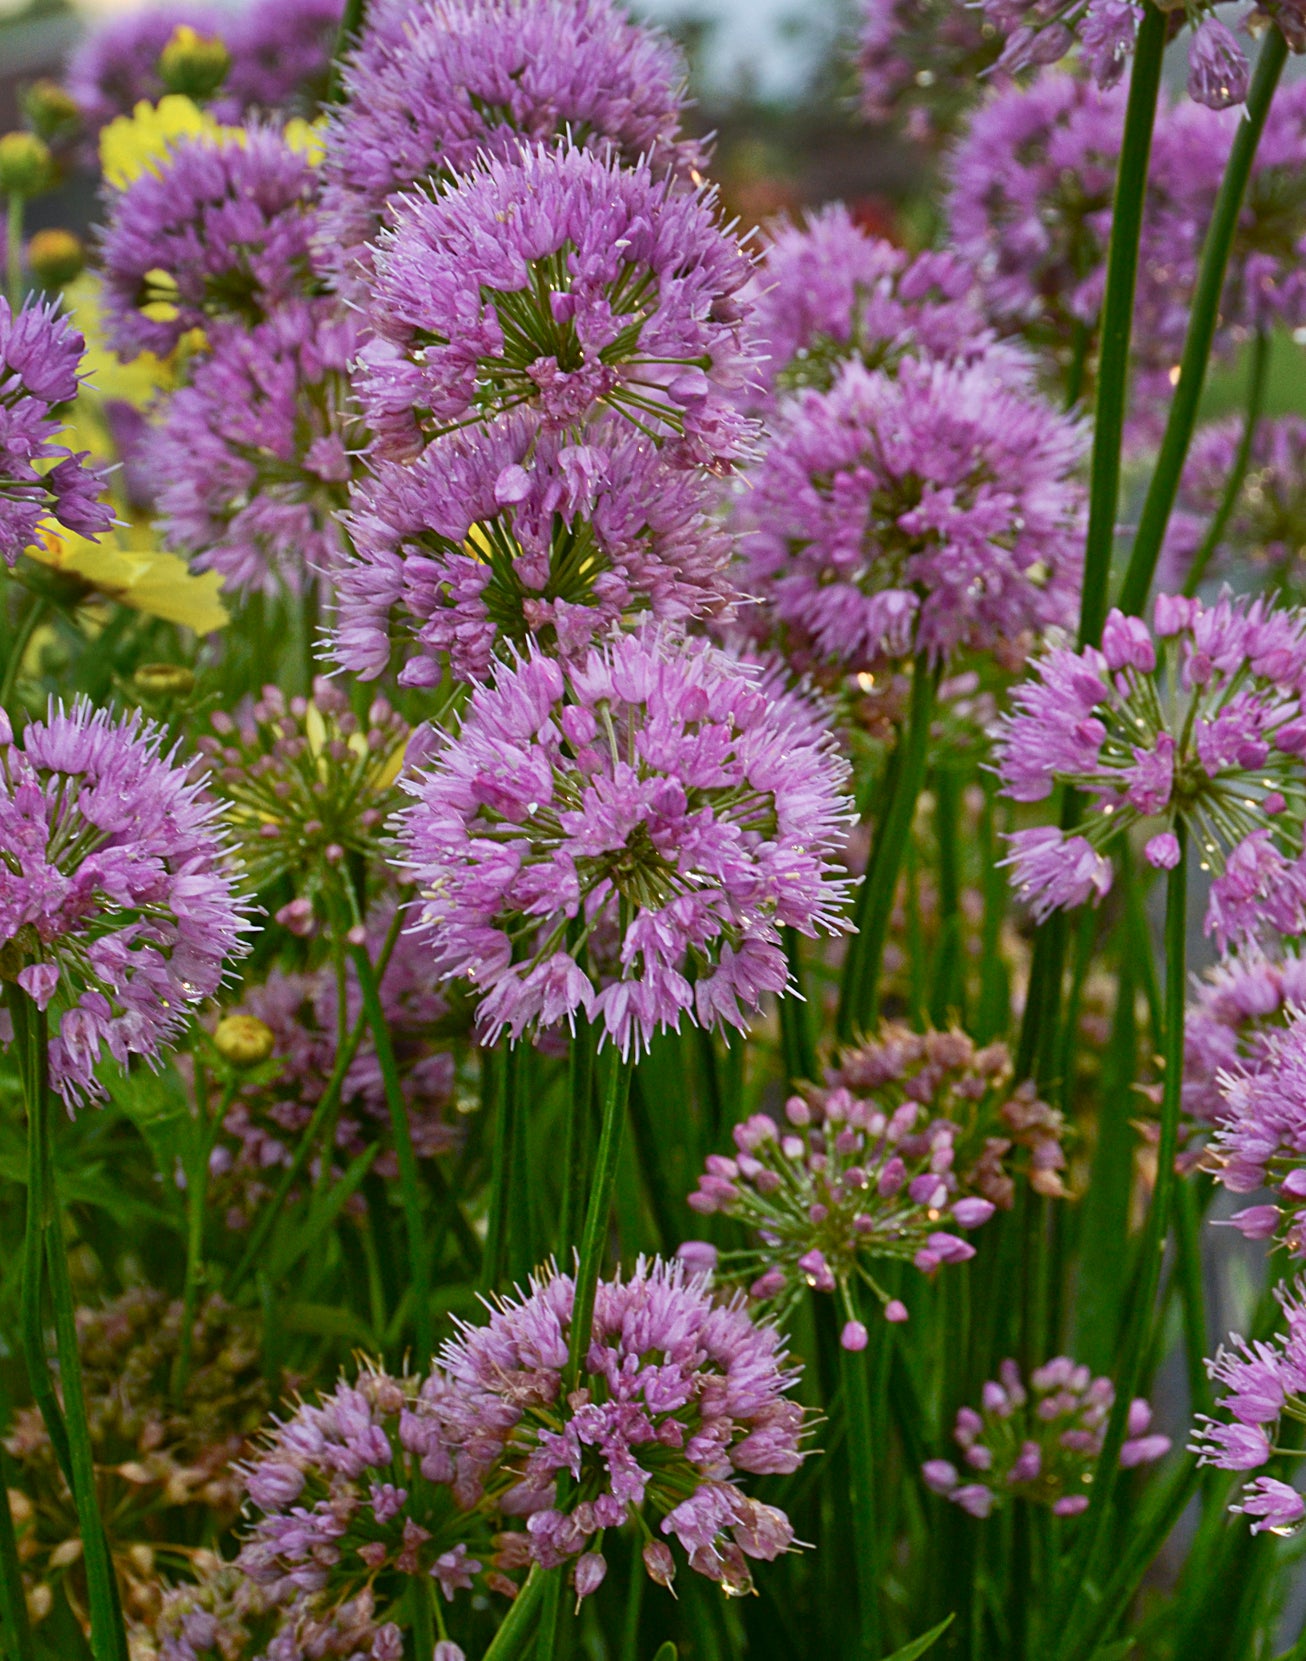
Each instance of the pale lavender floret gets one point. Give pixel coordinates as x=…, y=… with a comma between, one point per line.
x=1041, y=1441
x=434, y=88
x=924, y=513
x=39, y=355
x=1107, y=35
x=1094, y=719
x=644, y=312
x=125, y=927
x=693, y=1396
x=230, y=223
x=281, y=54
x=116, y=65
x=573, y=786
x=1260, y=1136
x=1276, y=1506
x=252, y=460
x=584, y=535
x=1218, y=73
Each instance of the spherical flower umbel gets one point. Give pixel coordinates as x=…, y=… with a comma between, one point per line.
x=281, y=54
x=826, y=292
x=907, y=1143
x=924, y=62
x=433, y=88
x=1260, y=1137
x=356, y=1497
x=626, y=835
x=1039, y=1443
x=1195, y=722
x=1266, y=1383
x=116, y=65
x=39, y=355
x=564, y=284
x=252, y=461
x=306, y=783
x=222, y=230
x=117, y=903
x=485, y=543
x=1237, y=1005
x=926, y=512
x=680, y=1397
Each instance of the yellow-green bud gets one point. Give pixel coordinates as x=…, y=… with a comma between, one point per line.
x=51, y=109
x=193, y=64
x=164, y=680
x=26, y=165
x=243, y=1040
x=55, y=257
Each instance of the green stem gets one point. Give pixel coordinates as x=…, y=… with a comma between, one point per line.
x=351, y=24
x=14, y=249
x=1155, y=1230
x=1237, y=474
x=513, y=1633
x=855, y=1376
x=497, y=1234
x=1118, y=320
x=197, y=1187
x=1202, y=321
x=18, y=650
x=795, y=1031
x=15, y=1626
x=108, y=1638
x=859, y=996
x=423, y=1619
x=410, y=1189
x=616, y=1089
x=580, y=1103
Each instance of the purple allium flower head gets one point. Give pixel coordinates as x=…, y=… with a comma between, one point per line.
x=561, y=283
x=1040, y=1441
x=357, y=1493
x=1260, y=1138
x=923, y=62
x=281, y=54
x=39, y=355
x=1267, y=277
x=306, y=782
x=928, y=512
x=118, y=910
x=251, y=462
x=116, y=65
x=600, y=831
x=1237, y=1005
x=827, y=291
x=902, y=1148
x=433, y=88
x=484, y=543
x=1264, y=1381
x=680, y=1396
x=223, y=231
x=1268, y=524
x=1196, y=721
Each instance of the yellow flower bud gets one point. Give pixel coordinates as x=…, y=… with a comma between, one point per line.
x=243, y=1040
x=193, y=65
x=51, y=109
x=164, y=680
x=26, y=165
x=55, y=257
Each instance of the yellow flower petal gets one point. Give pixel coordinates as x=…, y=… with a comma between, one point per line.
x=148, y=580
x=139, y=143
x=307, y=138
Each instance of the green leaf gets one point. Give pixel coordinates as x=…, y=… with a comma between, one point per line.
x=668, y=1652
x=918, y=1646
x=322, y=1213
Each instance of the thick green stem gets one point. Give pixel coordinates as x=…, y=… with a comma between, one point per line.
x=580, y=1114
x=1155, y=1229
x=197, y=1188
x=494, y=1267
x=108, y=1639
x=1118, y=320
x=351, y=24
x=855, y=1376
x=18, y=650
x=1238, y=472
x=616, y=1089
x=795, y=1031
x=516, y=1627
x=410, y=1189
x=1202, y=321
x=859, y=996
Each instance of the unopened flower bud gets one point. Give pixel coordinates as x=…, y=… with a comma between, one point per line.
x=193, y=64
x=55, y=257
x=243, y=1040
x=51, y=110
x=854, y=1336
x=659, y=1562
x=589, y=1573
x=26, y=165
x=161, y=680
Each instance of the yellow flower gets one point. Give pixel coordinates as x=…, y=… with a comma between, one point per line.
x=146, y=579
x=137, y=143
x=307, y=138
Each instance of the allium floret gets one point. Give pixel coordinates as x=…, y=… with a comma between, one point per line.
x=1039, y=1443
x=251, y=464
x=564, y=284
x=680, y=1397
x=117, y=903
x=1260, y=1138
x=927, y=512
x=909, y=1140
x=626, y=835
x=1266, y=1385
x=1196, y=722
x=484, y=544
x=1236, y=1007
x=39, y=355
x=223, y=230
x=434, y=88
